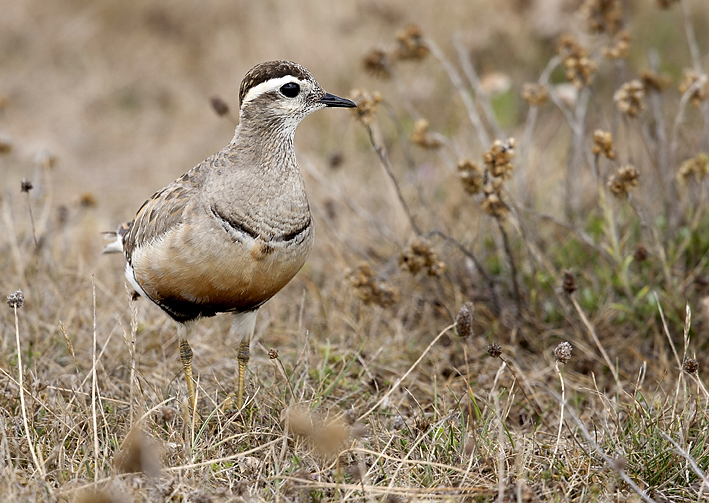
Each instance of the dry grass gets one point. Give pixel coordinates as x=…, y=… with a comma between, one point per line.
x=360, y=386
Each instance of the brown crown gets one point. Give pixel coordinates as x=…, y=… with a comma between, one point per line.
x=271, y=70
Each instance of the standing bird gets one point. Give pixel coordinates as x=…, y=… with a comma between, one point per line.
x=230, y=233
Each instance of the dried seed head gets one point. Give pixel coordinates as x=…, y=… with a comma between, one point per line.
x=366, y=105
x=498, y=160
x=624, y=180
x=535, y=94
x=640, y=253
x=139, y=454
x=273, y=353
x=26, y=185
x=494, y=350
x=562, y=352
x=602, y=16
x=629, y=98
x=620, y=48
x=464, y=320
x=370, y=289
x=579, y=67
x=697, y=167
x=493, y=204
x=423, y=137
x=568, y=282
x=87, y=200
x=697, y=85
x=420, y=256
x=410, y=44
x=16, y=299
x=471, y=176
x=219, y=106
x=653, y=81
x=377, y=63
x=690, y=366
x=603, y=143
x=5, y=143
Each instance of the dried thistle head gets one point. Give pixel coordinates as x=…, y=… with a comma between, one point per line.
x=603, y=143
x=653, y=81
x=366, y=105
x=422, y=137
x=369, y=289
x=421, y=257
x=471, y=176
x=16, y=299
x=535, y=94
x=410, y=44
x=377, y=63
x=498, y=160
x=139, y=453
x=620, y=48
x=602, y=16
x=629, y=98
x=624, y=180
x=696, y=167
x=690, y=365
x=562, y=352
x=697, y=85
x=568, y=282
x=464, y=320
x=26, y=185
x=580, y=68
x=219, y=106
x=494, y=350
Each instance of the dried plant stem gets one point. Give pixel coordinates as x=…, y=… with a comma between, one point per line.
x=283, y=370
x=29, y=207
x=406, y=374
x=94, y=383
x=457, y=82
x=30, y=441
x=592, y=331
x=131, y=349
x=513, y=266
x=379, y=149
x=561, y=413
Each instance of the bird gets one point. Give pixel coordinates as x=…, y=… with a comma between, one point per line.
x=230, y=233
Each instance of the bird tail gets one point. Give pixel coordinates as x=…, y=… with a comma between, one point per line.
x=115, y=238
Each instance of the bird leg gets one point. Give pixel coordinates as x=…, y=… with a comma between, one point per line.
x=245, y=324
x=186, y=359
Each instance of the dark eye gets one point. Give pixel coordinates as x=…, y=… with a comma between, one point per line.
x=290, y=90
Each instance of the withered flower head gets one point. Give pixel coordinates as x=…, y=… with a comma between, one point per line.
x=471, y=176
x=273, y=353
x=16, y=299
x=26, y=185
x=562, y=352
x=219, y=106
x=697, y=85
x=653, y=81
x=464, y=320
x=421, y=257
x=568, y=282
x=422, y=137
x=623, y=181
x=410, y=44
x=629, y=98
x=602, y=15
x=698, y=167
x=579, y=67
x=377, y=63
x=603, y=143
x=620, y=48
x=498, y=160
x=494, y=350
x=371, y=290
x=535, y=94
x=366, y=105
x=690, y=366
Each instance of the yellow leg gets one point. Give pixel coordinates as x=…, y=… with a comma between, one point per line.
x=244, y=325
x=186, y=359
x=243, y=358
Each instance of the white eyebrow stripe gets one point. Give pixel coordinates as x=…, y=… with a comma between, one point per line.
x=269, y=85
